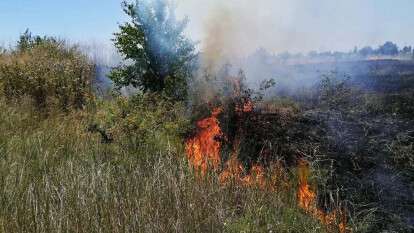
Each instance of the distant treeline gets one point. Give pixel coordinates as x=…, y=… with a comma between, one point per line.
x=388, y=50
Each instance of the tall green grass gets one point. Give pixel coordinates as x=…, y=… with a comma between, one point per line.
x=55, y=176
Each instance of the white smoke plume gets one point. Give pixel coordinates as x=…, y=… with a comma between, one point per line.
x=292, y=25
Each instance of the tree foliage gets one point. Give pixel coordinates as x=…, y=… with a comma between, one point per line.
x=27, y=41
x=388, y=48
x=159, y=57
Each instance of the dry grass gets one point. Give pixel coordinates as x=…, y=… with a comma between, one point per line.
x=57, y=177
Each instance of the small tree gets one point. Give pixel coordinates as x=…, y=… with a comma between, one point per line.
x=366, y=51
x=406, y=50
x=389, y=49
x=159, y=57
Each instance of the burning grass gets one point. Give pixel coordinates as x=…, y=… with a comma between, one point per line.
x=204, y=153
x=57, y=176
x=247, y=166
x=203, y=150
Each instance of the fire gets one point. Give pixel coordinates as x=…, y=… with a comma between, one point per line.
x=235, y=172
x=203, y=150
x=247, y=107
x=306, y=196
x=307, y=201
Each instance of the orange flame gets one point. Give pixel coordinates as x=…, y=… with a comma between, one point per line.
x=203, y=150
x=235, y=172
x=247, y=107
x=306, y=196
x=307, y=201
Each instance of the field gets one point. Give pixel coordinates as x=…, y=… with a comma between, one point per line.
x=58, y=177
x=120, y=166
x=167, y=147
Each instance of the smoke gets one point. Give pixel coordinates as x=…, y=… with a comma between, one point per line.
x=101, y=54
x=218, y=44
x=234, y=28
x=231, y=31
x=157, y=18
x=294, y=25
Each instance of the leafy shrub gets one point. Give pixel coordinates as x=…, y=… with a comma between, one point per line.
x=147, y=121
x=335, y=92
x=50, y=72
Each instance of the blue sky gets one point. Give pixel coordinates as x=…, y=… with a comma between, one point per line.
x=74, y=19
x=278, y=25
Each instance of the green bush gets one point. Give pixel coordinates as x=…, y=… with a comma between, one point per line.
x=336, y=92
x=144, y=120
x=50, y=72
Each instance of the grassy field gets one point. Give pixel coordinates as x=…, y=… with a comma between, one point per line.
x=58, y=177
x=71, y=161
x=119, y=166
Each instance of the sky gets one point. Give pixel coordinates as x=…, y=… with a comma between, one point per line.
x=277, y=25
x=79, y=20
